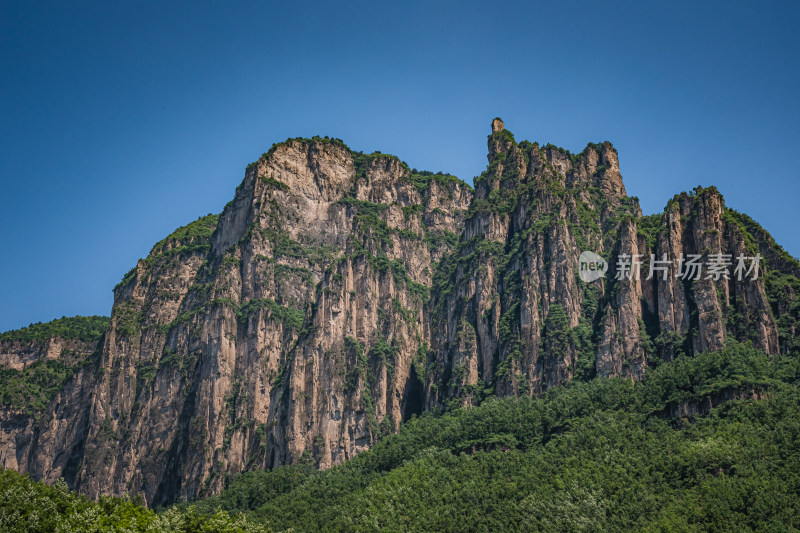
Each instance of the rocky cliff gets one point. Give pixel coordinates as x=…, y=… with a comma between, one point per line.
x=47, y=374
x=511, y=315
x=340, y=293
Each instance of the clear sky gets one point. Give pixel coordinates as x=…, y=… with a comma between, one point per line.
x=120, y=121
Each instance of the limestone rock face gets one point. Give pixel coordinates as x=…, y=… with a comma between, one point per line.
x=512, y=282
x=291, y=329
x=47, y=444
x=707, y=310
x=340, y=293
x=22, y=354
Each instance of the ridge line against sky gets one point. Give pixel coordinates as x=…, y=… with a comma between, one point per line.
x=122, y=122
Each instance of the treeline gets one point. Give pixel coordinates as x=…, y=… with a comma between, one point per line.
x=30, y=507
x=82, y=328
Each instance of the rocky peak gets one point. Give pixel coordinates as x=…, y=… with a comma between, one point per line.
x=300, y=310
x=497, y=125
x=501, y=142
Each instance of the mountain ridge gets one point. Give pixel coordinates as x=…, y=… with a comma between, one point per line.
x=340, y=293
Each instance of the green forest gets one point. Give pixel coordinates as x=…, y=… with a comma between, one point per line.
x=705, y=443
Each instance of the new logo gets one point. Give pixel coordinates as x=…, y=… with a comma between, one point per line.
x=591, y=266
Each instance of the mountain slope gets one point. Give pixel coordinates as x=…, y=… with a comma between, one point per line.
x=603, y=455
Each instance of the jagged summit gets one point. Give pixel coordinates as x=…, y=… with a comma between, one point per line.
x=497, y=125
x=340, y=293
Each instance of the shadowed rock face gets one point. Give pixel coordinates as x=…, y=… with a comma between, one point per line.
x=340, y=293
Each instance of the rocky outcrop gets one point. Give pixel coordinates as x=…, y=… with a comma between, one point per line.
x=47, y=382
x=700, y=314
x=678, y=412
x=513, y=283
x=20, y=354
x=340, y=293
x=514, y=277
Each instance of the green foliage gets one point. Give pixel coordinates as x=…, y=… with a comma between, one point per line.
x=590, y=456
x=231, y=261
x=31, y=389
x=783, y=291
x=82, y=328
x=384, y=352
x=170, y=358
x=362, y=161
x=251, y=490
x=411, y=210
x=364, y=207
x=272, y=182
x=290, y=316
x=368, y=216
x=752, y=229
x=558, y=336
x=382, y=263
x=743, y=224
x=355, y=345
x=284, y=246
x=442, y=240
x=648, y=227
x=507, y=321
x=399, y=309
x=597, y=147
x=583, y=333
x=503, y=134
x=127, y=278
x=189, y=238
x=737, y=367
x=128, y=317
x=146, y=372
x=284, y=272
x=559, y=149
x=30, y=507
x=422, y=180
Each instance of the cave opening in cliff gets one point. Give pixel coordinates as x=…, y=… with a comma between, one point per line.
x=412, y=396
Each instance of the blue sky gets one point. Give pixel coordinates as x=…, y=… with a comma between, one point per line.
x=121, y=121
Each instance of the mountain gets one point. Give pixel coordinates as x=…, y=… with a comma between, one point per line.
x=340, y=293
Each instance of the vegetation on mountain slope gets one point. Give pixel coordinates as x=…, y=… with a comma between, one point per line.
x=30, y=507
x=598, y=456
x=32, y=388
x=702, y=443
x=82, y=328
x=602, y=455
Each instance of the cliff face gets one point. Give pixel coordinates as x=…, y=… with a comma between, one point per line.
x=340, y=293
x=512, y=315
x=47, y=374
x=289, y=325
